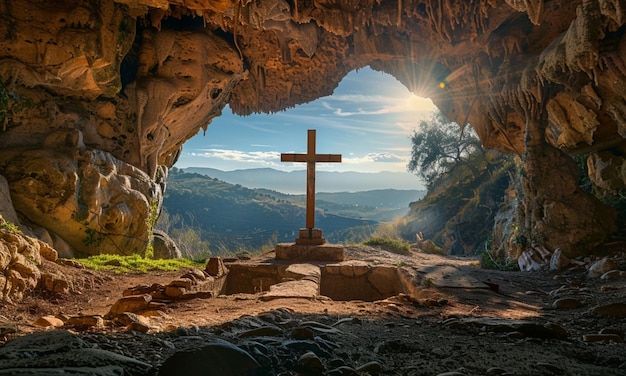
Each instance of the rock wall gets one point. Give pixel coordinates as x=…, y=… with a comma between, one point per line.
x=97, y=97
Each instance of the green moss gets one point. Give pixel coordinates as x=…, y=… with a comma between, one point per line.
x=151, y=221
x=93, y=238
x=136, y=264
x=10, y=103
x=10, y=227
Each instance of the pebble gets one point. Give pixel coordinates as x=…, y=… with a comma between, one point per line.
x=602, y=266
x=602, y=337
x=264, y=331
x=617, y=332
x=614, y=309
x=567, y=303
x=558, y=261
x=607, y=288
x=611, y=275
x=310, y=363
x=302, y=333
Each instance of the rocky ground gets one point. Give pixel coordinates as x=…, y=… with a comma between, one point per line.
x=570, y=322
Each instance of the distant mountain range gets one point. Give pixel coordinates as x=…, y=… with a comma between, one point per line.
x=295, y=182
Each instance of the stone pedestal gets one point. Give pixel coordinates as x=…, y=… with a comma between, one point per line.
x=299, y=252
x=310, y=236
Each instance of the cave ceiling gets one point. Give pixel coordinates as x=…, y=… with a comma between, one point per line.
x=123, y=84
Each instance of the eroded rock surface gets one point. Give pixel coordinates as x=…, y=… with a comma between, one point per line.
x=127, y=82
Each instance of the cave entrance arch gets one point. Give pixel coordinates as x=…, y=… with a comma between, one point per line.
x=370, y=117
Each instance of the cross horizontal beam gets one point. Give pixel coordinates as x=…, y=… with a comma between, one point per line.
x=287, y=157
x=310, y=158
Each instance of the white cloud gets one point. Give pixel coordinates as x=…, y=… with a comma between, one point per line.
x=376, y=158
x=257, y=157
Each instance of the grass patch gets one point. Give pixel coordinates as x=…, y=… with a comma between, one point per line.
x=390, y=245
x=136, y=264
x=10, y=227
x=487, y=261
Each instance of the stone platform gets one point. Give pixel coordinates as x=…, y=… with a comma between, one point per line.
x=299, y=252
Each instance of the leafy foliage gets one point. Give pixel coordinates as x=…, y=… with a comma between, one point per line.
x=10, y=227
x=465, y=184
x=440, y=146
x=208, y=216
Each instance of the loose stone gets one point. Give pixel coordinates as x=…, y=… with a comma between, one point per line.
x=310, y=363
x=567, y=303
x=215, y=359
x=600, y=267
x=615, y=309
x=47, y=321
x=373, y=368
x=602, y=337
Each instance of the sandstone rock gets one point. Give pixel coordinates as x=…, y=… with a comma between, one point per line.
x=215, y=267
x=141, y=113
x=185, y=283
x=558, y=261
x=602, y=266
x=131, y=303
x=85, y=321
x=174, y=291
x=48, y=321
x=91, y=176
x=7, y=212
x=298, y=271
x=164, y=247
x=384, y=280
x=195, y=275
x=55, y=282
x=134, y=322
x=19, y=262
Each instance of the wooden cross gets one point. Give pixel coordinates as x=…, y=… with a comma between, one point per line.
x=310, y=158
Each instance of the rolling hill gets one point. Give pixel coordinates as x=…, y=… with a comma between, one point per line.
x=233, y=217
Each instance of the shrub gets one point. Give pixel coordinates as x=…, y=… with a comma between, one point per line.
x=390, y=245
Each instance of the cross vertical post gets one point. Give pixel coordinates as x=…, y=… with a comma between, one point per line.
x=310, y=179
x=310, y=235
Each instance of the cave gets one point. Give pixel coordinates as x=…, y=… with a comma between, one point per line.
x=98, y=97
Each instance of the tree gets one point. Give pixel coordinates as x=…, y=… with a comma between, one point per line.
x=440, y=146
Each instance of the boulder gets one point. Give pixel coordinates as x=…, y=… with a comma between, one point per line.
x=164, y=247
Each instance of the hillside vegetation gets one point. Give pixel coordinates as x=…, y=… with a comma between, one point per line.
x=207, y=216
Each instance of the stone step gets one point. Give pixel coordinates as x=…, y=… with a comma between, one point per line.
x=304, y=282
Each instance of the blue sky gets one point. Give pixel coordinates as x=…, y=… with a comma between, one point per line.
x=369, y=119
